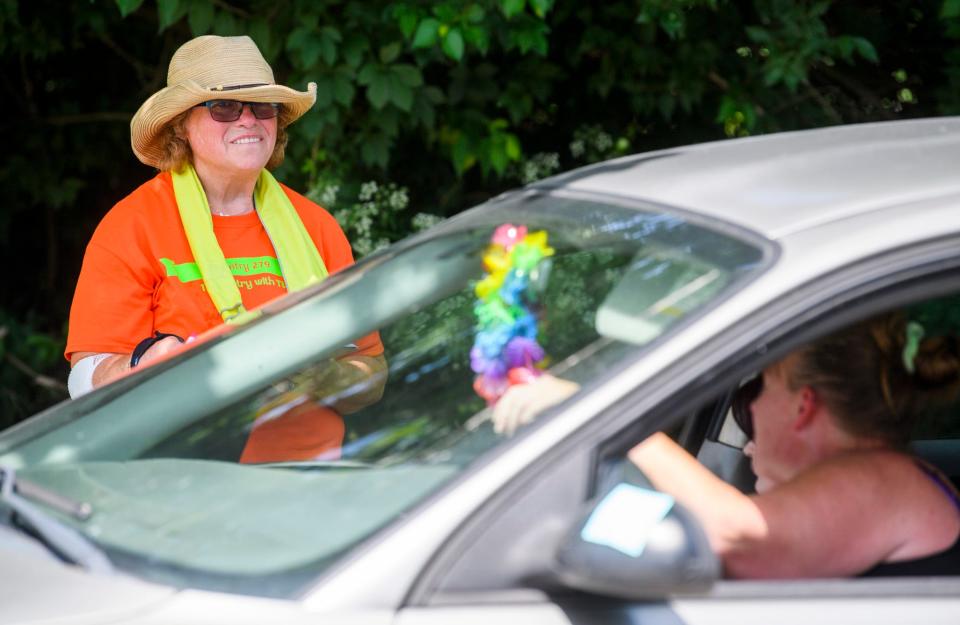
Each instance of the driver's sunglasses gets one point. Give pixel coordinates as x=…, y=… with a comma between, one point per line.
x=740, y=404
x=231, y=110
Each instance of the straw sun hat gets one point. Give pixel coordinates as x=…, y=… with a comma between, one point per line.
x=210, y=68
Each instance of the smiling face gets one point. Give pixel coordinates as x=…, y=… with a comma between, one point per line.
x=229, y=149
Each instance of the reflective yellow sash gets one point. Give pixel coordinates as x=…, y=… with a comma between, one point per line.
x=300, y=262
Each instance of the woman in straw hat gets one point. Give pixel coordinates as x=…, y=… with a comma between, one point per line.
x=213, y=235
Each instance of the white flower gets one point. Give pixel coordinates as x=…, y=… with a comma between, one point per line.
x=577, y=148
x=398, y=199
x=422, y=221
x=530, y=172
x=368, y=190
x=363, y=225
x=603, y=142
x=342, y=217
x=362, y=246
x=328, y=197
x=540, y=165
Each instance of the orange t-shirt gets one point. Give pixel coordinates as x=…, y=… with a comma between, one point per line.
x=139, y=276
x=306, y=430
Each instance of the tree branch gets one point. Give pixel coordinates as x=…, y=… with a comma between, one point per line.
x=50, y=219
x=138, y=66
x=825, y=105
x=86, y=118
x=856, y=88
x=27, y=87
x=231, y=9
x=722, y=83
x=39, y=379
x=14, y=92
x=718, y=80
x=159, y=73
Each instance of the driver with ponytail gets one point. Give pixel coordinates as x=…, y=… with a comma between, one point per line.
x=837, y=492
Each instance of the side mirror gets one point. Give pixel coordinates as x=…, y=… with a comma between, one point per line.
x=636, y=543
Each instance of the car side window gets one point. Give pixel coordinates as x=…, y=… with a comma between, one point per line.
x=553, y=505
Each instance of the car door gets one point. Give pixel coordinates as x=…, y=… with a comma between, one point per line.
x=500, y=564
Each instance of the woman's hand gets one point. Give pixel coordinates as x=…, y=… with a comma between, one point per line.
x=162, y=347
x=116, y=365
x=352, y=382
x=523, y=402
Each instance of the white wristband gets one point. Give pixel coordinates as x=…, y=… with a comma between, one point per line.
x=80, y=381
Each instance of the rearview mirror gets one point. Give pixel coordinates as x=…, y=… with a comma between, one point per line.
x=636, y=543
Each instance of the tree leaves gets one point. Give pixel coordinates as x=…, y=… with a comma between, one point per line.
x=386, y=53
x=453, y=44
x=227, y=25
x=950, y=9
x=390, y=52
x=170, y=12
x=541, y=7
x=866, y=49
x=432, y=93
x=652, y=56
x=488, y=143
x=511, y=8
x=200, y=18
x=426, y=35
x=128, y=6
x=392, y=84
x=263, y=35
x=343, y=90
x=353, y=49
x=375, y=150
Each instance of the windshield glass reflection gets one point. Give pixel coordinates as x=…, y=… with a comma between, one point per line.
x=261, y=494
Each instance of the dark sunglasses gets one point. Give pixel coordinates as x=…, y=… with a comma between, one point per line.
x=740, y=404
x=231, y=110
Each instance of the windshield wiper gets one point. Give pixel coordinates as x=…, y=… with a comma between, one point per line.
x=64, y=541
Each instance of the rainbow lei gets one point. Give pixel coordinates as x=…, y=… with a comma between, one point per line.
x=505, y=351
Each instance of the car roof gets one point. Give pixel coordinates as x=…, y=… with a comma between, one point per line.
x=782, y=184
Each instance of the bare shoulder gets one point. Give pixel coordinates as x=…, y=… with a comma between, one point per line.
x=874, y=463
x=889, y=478
x=846, y=485
x=890, y=485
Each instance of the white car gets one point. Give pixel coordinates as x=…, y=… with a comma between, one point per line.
x=660, y=282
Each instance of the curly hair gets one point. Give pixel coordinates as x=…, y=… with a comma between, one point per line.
x=176, y=146
x=860, y=375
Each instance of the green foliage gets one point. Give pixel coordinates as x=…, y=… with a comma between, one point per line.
x=374, y=219
x=591, y=143
x=948, y=95
x=32, y=370
x=449, y=101
x=797, y=40
x=473, y=81
x=128, y=6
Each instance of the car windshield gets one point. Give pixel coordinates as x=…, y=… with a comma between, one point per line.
x=241, y=471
